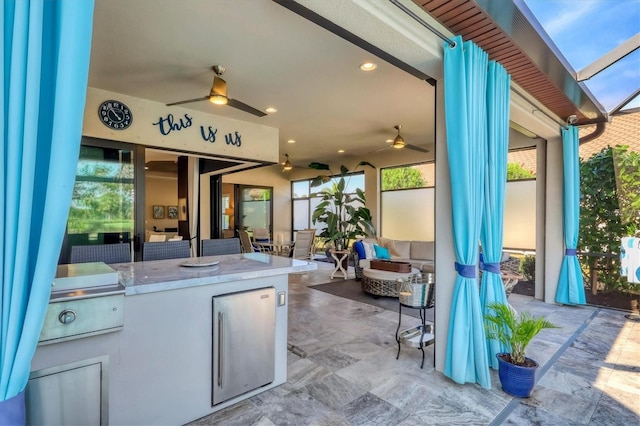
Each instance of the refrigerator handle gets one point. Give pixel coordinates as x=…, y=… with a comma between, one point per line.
x=220, y=341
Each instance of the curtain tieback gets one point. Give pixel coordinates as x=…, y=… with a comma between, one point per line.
x=571, y=252
x=467, y=271
x=490, y=267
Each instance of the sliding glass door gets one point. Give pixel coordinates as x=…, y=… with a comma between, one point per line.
x=254, y=207
x=102, y=208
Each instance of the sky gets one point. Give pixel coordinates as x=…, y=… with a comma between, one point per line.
x=584, y=30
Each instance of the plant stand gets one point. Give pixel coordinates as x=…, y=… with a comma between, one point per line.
x=415, y=337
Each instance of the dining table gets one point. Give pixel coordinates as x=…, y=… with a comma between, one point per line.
x=278, y=248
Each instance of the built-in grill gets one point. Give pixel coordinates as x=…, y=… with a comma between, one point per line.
x=86, y=299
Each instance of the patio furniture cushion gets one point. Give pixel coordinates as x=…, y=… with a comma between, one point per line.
x=369, y=251
x=422, y=250
x=401, y=250
x=381, y=252
x=358, y=246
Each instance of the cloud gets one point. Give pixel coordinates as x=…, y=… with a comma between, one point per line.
x=568, y=12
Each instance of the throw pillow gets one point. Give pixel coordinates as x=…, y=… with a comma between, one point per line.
x=358, y=246
x=368, y=250
x=382, y=252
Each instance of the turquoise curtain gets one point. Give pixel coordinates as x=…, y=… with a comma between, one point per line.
x=46, y=46
x=495, y=178
x=570, y=290
x=465, y=85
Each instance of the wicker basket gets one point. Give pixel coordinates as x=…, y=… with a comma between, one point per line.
x=418, y=290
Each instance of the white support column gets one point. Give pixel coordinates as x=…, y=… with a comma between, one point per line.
x=541, y=205
x=554, y=237
x=445, y=255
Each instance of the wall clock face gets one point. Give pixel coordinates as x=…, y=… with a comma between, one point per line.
x=115, y=115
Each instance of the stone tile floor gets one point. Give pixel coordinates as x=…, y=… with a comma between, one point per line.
x=349, y=375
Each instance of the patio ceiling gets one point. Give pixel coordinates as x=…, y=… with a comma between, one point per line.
x=512, y=38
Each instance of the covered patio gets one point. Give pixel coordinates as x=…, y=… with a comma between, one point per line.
x=348, y=373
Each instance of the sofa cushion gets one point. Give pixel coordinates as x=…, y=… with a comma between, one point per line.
x=422, y=250
x=358, y=246
x=401, y=250
x=386, y=242
x=369, y=252
x=382, y=252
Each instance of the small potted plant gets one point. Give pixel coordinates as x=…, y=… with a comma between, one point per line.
x=517, y=372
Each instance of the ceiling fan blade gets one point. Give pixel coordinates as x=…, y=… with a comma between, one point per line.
x=244, y=107
x=416, y=148
x=188, y=101
x=379, y=149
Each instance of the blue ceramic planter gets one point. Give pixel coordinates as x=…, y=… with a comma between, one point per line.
x=516, y=380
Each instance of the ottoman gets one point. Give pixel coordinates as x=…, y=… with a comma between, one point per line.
x=383, y=283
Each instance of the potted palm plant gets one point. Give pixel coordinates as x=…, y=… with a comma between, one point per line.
x=344, y=214
x=517, y=372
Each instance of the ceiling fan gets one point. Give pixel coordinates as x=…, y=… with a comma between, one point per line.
x=218, y=95
x=399, y=143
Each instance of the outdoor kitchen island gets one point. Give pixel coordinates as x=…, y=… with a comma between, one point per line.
x=159, y=367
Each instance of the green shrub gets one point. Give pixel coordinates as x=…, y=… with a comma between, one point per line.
x=528, y=267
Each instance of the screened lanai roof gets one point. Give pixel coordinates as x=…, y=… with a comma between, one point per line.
x=548, y=46
x=592, y=34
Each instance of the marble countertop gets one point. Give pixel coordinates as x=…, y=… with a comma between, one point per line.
x=168, y=274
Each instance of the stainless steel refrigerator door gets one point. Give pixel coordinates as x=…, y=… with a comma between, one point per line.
x=244, y=326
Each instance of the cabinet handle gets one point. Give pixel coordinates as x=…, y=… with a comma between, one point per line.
x=220, y=351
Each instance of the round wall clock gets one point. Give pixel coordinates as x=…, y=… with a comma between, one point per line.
x=115, y=115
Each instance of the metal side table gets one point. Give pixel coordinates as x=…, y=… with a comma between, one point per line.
x=416, y=292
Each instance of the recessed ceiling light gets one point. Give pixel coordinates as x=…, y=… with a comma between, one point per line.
x=389, y=140
x=368, y=66
x=291, y=141
x=341, y=151
x=270, y=110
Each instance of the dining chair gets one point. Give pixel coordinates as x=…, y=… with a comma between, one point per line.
x=107, y=253
x=245, y=241
x=220, y=246
x=261, y=235
x=165, y=250
x=303, y=246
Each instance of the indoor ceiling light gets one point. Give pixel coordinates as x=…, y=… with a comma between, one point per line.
x=368, y=66
x=218, y=94
x=291, y=141
x=398, y=142
x=341, y=151
x=287, y=164
x=270, y=110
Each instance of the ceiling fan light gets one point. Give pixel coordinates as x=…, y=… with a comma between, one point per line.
x=398, y=142
x=287, y=164
x=218, y=94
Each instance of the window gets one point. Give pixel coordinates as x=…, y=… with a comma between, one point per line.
x=521, y=164
x=102, y=205
x=305, y=201
x=408, y=192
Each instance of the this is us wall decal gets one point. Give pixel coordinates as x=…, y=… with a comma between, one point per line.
x=169, y=124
